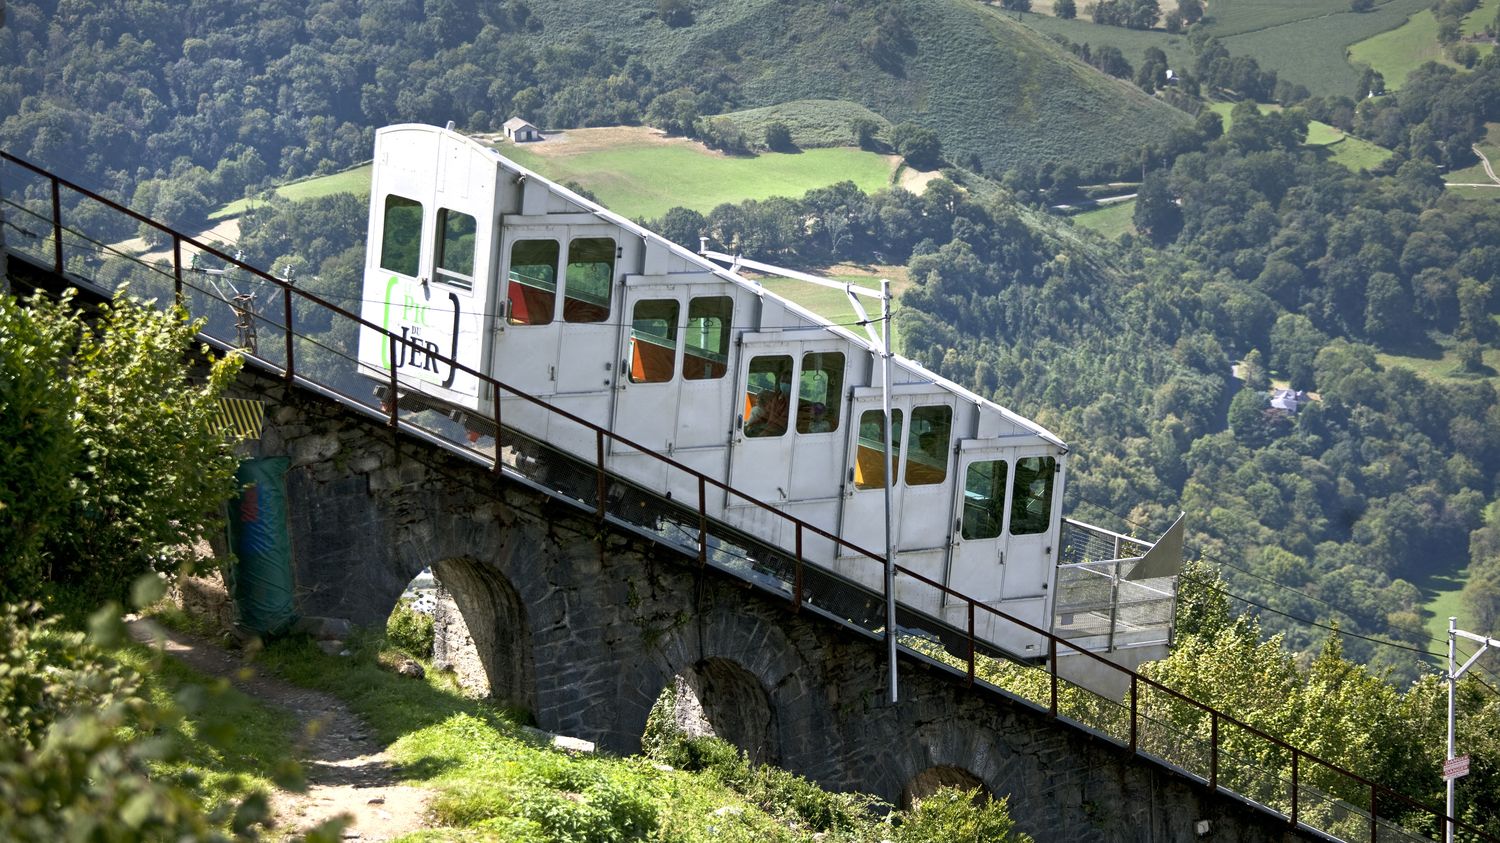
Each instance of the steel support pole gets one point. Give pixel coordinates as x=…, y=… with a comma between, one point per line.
x=1452, y=709
x=890, y=556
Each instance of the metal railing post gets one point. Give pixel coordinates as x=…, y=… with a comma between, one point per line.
x=1052, y=663
x=291, y=366
x=57, y=231
x=797, y=573
x=392, y=399
x=971, y=642
x=494, y=390
x=1135, y=693
x=1213, y=749
x=703, y=521
x=177, y=267
x=1114, y=599
x=1295, y=784
x=1374, y=816
x=602, y=483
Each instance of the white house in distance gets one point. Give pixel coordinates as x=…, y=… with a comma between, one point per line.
x=1289, y=400
x=520, y=131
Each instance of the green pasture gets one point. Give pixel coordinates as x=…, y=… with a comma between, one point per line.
x=1354, y=153
x=1444, y=367
x=355, y=180
x=1110, y=220
x=834, y=305
x=1395, y=54
x=1311, y=50
x=813, y=123
x=1130, y=42
x=1490, y=146
x=1443, y=594
x=645, y=180
x=1482, y=16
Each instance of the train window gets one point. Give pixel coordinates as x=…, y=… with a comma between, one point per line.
x=1031, y=500
x=707, y=357
x=533, y=281
x=819, y=392
x=768, y=395
x=927, y=453
x=984, y=499
x=455, y=249
x=653, y=341
x=586, y=286
x=401, y=236
x=868, y=471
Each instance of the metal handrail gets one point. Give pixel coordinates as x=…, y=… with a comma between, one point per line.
x=1216, y=718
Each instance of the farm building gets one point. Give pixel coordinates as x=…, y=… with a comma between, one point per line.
x=520, y=131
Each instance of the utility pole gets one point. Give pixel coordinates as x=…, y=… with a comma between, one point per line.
x=1452, y=775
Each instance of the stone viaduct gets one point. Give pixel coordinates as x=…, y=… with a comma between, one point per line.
x=584, y=625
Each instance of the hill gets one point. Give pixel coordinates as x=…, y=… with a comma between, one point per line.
x=994, y=90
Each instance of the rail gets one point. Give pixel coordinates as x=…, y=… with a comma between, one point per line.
x=1153, y=721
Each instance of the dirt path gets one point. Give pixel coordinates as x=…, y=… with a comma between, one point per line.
x=347, y=770
x=1489, y=171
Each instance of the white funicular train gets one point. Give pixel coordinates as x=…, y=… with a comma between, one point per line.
x=474, y=258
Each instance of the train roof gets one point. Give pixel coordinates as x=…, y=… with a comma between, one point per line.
x=915, y=371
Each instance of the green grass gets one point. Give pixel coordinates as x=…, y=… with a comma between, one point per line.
x=834, y=305
x=1482, y=16
x=1490, y=146
x=1443, y=368
x=1312, y=50
x=1400, y=51
x=355, y=180
x=1130, y=42
x=813, y=123
x=1354, y=153
x=1443, y=593
x=250, y=747
x=646, y=180
x=1110, y=221
x=493, y=780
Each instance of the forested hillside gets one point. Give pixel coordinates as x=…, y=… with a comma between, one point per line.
x=178, y=107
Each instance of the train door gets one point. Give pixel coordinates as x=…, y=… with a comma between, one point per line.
x=1032, y=522
x=527, y=341
x=650, y=385
x=861, y=523
x=977, y=565
x=761, y=444
x=593, y=256
x=818, y=424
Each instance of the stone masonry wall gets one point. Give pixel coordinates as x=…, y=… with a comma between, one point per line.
x=585, y=625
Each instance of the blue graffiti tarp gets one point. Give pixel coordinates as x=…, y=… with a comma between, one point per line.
x=260, y=577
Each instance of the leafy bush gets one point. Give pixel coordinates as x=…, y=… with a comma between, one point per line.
x=410, y=630
x=69, y=766
x=956, y=815
x=136, y=470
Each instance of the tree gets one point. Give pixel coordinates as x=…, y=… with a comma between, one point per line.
x=1191, y=10
x=1156, y=212
x=1065, y=9
x=149, y=471
x=919, y=145
x=675, y=13
x=1016, y=5
x=1361, y=5
x=778, y=136
x=1110, y=60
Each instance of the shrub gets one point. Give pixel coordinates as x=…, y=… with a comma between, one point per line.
x=410, y=630
x=778, y=137
x=69, y=767
x=953, y=814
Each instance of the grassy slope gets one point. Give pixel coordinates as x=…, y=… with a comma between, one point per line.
x=1482, y=16
x=813, y=123
x=1352, y=152
x=1110, y=221
x=1491, y=148
x=355, y=180
x=644, y=179
x=1131, y=42
x=1400, y=51
x=1310, y=50
x=988, y=85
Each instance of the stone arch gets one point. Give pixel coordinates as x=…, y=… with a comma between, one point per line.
x=493, y=618
x=928, y=781
x=720, y=698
